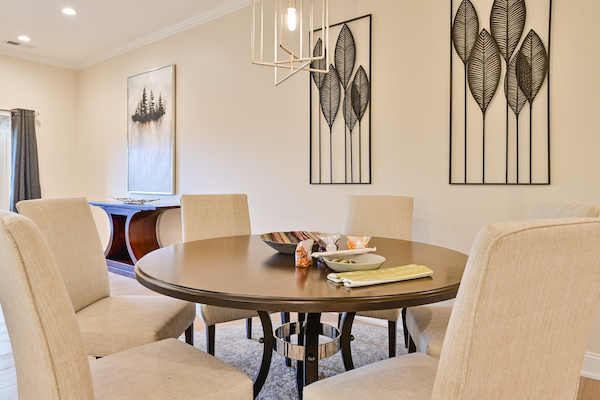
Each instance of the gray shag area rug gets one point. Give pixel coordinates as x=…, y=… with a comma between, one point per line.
x=231, y=346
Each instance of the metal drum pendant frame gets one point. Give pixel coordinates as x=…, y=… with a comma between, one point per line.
x=296, y=62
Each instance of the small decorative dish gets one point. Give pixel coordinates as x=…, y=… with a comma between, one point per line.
x=137, y=202
x=354, y=262
x=286, y=242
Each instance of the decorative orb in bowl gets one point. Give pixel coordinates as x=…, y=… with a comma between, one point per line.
x=362, y=262
x=286, y=242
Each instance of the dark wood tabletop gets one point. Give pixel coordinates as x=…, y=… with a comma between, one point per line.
x=243, y=272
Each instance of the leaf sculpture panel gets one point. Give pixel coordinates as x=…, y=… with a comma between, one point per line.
x=318, y=64
x=514, y=95
x=361, y=87
x=345, y=90
x=465, y=30
x=349, y=114
x=330, y=96
x=484, y=70
x=507, y=22
x=345, y=55
x=499, y=151
x=532, y=65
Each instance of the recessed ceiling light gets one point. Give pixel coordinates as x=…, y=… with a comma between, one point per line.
x=69, y=11
x=24, y=38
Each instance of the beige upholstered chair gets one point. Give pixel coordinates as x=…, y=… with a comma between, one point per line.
x=382, y=216
x=538, y=278
x=213, y=216
x=50, y=358
x=109, y=324
x=426, y=325
x=561, y=210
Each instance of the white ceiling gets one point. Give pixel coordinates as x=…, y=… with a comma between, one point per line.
x=101, y=29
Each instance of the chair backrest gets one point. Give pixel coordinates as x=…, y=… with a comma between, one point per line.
x=561, y=210
x=209, y=216
x=523, y=314
x=49, y=355
x=383, y=216
x=69, y=228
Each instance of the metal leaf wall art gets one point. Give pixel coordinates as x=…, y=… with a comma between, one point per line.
x=330, y=104
x=526, y=63
x=345, y=57
x=483, y=74
x=355, y=89
x=361, y=93
x=531, y=67
x=465, y=31
x=507, y=22
x=318, y=79
x=351, y=119
x=516, y=99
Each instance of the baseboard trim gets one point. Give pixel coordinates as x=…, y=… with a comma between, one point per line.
x=591, y=366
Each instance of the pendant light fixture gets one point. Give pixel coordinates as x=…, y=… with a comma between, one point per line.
x=293, y=61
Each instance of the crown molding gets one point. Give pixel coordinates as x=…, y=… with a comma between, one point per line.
x=218, y=12
x=36, y=58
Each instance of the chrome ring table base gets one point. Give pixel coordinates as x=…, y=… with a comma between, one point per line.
x=298, y=352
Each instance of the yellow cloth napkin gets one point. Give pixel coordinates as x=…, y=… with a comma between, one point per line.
x=377, y=276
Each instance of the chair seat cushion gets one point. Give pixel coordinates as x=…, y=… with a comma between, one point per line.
x=118, y=323
x=427, y=326
x=212, y=315
x=406, y=377
x=169, y=369
x=390, y=315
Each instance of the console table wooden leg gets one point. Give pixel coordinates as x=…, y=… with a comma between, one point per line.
x=116, y=249
x=140, y=233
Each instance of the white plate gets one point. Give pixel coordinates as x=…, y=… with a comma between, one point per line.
x=363, y=262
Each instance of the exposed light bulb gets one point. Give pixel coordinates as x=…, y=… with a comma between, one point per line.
x=24, y=38
x=69, y=11
x=291, y=17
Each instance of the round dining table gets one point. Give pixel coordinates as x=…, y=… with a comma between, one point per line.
x=244, y=272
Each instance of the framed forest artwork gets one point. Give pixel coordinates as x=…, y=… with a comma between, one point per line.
x=500, y=92
x=340, y=105
x=151, y=131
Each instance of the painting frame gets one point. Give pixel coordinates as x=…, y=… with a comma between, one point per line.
x=151, y=131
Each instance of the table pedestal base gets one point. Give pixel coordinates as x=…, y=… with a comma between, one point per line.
x=308, y=351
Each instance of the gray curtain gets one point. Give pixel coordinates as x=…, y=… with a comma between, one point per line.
x=25, y=176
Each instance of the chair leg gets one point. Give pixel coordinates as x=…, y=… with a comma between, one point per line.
x=189, y=335
x=249, y=328
x=412, y=347
x=210, y=340
x=392, y=338
x=285, y=318
x=404, y=328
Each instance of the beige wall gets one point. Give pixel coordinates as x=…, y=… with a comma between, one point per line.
x=51, y=91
